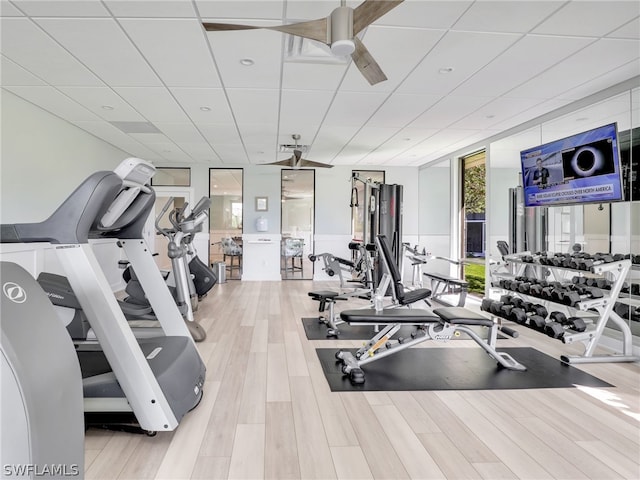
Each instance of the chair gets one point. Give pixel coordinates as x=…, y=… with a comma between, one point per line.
x=231, y=249
x=292, y=248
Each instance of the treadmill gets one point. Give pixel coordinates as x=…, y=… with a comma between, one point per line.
x=152, y=381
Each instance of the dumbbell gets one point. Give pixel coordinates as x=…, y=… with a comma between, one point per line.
x=582, y=293
x=529, y=319
x=536, y=290
x=597, y=259
x=559, y=324
x=622, y=309
x=599, y=283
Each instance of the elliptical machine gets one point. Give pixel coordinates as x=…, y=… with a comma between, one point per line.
x=190, y=279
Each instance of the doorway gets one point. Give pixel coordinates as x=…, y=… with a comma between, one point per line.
x=225, y=219
x=297, y=227
x=472, y=220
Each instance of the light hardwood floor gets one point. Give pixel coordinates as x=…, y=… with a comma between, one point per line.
x=268, y=412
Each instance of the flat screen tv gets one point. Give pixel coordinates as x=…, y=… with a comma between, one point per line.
x=582, y=168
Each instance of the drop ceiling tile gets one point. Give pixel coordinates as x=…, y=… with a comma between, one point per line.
x=8, y=10
x=425, y=14
x=449, y=110
x=593, y=19
x=217, y=134
x=181, y=132
x=308, y=76
x=100, y=44
x=464, y=52
x=115, y=137
x=259, y=133
x=151, y=9
x=303, y=10
x=521, y=62
x=533, y=112
x=384, y=44
x=440, y=140
x=496, y=111
x=603, y=81
x=265, y=9
x=597, y=59
x=501, y=16
x=259, y=153
x=155, y=103
x=254, y=105
x=176, y=49
x=95, y=98
x=13, y=74
x=353, y=108
x=307, y=134
x=62, y=8
x=51, y=100
x=630, y=30
x=214, y=99
x=401, y=109
x=263, y=47
x=199, y=151
x=28, y=46
x=231, y=154
x=303, y=108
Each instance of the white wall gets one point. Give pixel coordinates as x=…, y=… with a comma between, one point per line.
x=43, y=159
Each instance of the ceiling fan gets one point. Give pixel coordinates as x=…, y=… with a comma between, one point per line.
x=296, y=160
x=338, y=30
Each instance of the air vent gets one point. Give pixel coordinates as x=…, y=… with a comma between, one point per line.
x=136, y=127
x=304, y=50
x=290, y=148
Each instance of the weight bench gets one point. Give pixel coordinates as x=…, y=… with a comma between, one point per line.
x=328, y=297
x=440, y=325
x=446, y=285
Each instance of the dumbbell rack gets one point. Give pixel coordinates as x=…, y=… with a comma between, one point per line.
x=618, y=270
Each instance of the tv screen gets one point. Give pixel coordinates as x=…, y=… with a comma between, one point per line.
x=582, y=168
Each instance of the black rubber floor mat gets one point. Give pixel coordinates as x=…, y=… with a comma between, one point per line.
x=316, y=330
x=456, y=369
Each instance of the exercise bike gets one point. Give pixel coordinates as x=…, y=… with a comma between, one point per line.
x=190, y=279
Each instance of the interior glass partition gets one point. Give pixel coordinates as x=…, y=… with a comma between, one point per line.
x=225, y=219
x=297, y=225
x=612, y=227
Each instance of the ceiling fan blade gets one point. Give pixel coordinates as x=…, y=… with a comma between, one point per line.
x=313, y=29
x=310, y=163
x=219, y=27
x=366, y=64
x=285, y=163
x=369, y=11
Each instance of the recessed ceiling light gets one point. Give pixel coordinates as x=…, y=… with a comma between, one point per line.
x=247, y=62
x=445, y=70
x=490, y=116
x=406, y=139
x=581, y=119
x=107, y=107
x=205, y=109
x=166, y=151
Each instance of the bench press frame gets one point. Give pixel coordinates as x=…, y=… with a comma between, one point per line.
x=441, y=324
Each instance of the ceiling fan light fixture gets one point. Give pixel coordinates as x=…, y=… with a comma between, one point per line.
x=342, y=48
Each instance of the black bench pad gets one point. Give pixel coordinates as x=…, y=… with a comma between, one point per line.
x=323, y=294
x=388, y=316
x=446, y=278
x=412, y=296
x=462, y=316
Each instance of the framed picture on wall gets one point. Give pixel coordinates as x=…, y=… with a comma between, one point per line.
x=262, y=204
